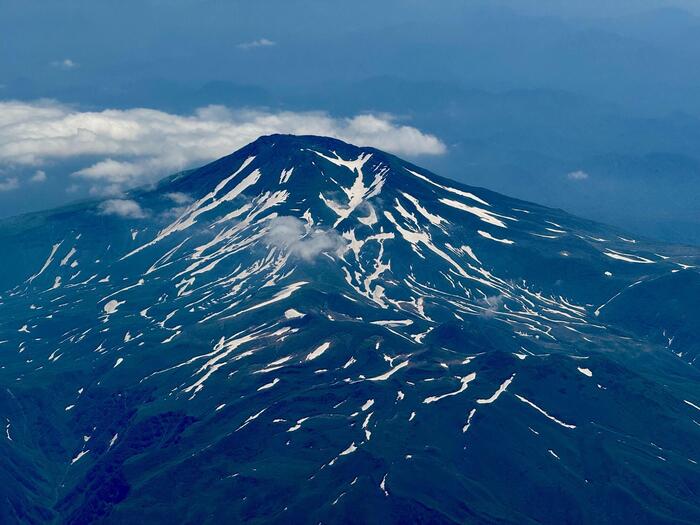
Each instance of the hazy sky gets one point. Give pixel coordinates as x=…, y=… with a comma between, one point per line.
x=591, y=107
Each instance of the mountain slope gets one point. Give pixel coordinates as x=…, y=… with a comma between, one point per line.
x=307, y=331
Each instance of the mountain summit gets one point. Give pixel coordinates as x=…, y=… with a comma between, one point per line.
x=306, y=331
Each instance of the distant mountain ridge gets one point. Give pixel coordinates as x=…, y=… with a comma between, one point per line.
x=306, y=331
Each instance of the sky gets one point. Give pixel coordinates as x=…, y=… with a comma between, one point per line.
x=585, y=106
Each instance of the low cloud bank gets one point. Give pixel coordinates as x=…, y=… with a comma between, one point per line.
x=125, y=148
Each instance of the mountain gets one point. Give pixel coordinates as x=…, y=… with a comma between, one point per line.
x=310, y=332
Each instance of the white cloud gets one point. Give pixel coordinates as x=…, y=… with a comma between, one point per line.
x=577, y=175
x=64, y=64
x=178, y=197
x=260, y=42
x=9, y=184
x=135, y=146
x=491, y=304
x=292, y=235
x=39, y=176
x=123, y=208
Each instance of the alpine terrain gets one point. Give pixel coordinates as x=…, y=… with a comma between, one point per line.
x=308, y=331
